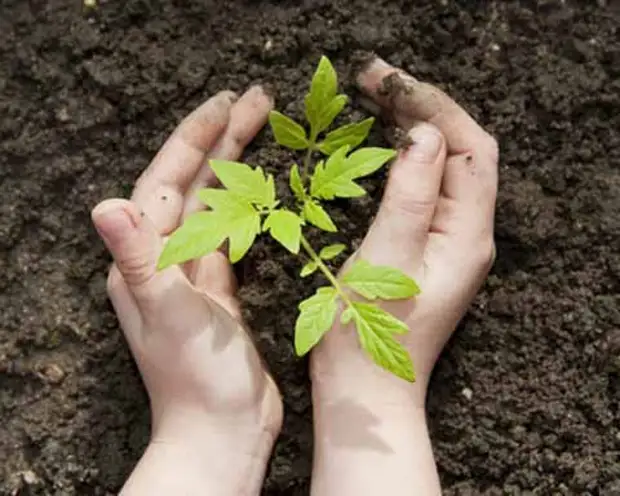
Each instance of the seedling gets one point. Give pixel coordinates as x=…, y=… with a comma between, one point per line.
x=247, y=206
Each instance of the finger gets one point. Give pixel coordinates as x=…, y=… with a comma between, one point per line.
x=472, y=168
x=214, y=275
x=135, y=247
x=470, y=189
x=409, y=99
x=123, y=302
x=409, y=202
x=160, y=190
x=247, y=117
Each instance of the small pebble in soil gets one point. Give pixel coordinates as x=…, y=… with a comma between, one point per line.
x=468, y=393
x=53, y=373
x=30, y=478
x=63, y=115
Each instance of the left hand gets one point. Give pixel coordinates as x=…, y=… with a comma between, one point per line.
x=213, y=402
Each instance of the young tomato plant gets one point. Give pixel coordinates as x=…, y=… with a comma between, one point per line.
x=247, y=206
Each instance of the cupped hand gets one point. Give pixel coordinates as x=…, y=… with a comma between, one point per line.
x=435, y=223
x=203, y=374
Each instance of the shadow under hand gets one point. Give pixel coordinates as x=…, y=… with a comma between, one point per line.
x=353, y=425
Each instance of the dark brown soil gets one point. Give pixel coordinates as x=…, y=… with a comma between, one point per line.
x=526, y=397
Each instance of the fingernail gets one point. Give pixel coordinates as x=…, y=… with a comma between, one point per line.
x=426, y=143
x=114, y=220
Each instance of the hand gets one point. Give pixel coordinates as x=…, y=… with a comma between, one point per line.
x=436, y=218
x=436, y=224
x=215, y=408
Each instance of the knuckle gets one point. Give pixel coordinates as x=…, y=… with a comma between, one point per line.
x=136, y=270
x=398, y=201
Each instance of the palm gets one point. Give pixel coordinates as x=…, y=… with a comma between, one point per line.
x=183, y=324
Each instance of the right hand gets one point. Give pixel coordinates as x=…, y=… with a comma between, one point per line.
x=435, y=223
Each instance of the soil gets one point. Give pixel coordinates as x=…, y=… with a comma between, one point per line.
x=525, y=399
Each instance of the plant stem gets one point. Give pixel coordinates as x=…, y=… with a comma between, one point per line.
x=306, y=165
x=323, y=268
x=308, y=158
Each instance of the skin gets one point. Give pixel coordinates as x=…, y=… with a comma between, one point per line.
x=216, y=411
x=435, y=223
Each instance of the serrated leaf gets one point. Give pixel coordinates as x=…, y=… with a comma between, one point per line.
x=335, y=178
x=309, y=268
x=287, y=132
x=365, y=161
x=245, y=182
x=237, y=219
x=199, y=235
x=317, y=216
x=330, y=178
x=330, y=112
x=322, y=91
x=378, y=281
x=241, y=236
x=377, y=317
x=332, y=251
x=316, y=317
x=376, y=329
x=351, y=134
x=285, y=227
x=296, y=184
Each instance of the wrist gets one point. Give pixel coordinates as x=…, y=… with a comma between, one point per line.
x=228, y=454
x=203, y=465
x=339, y=368
x=247, y=433
x=362, y=421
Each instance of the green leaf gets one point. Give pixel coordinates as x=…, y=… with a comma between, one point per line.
x=335, y=178
x=316, y=215
x=296, y=184
x=365, y=161
x=332, y=251
x=287, y=132
x=330, y=112
x=285, y=227
x=241, y=236
x=309, y=268
x=241, y=179
x=315, y=319
x=236, y=218
x=377, y=281
x=376, y=329
x=322, y=91
x=199, y=235
x=351, y=134
x=330, y=179
x=377, y=317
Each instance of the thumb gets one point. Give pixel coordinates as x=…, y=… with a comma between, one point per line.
x=400, y=231
x=135, y=246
